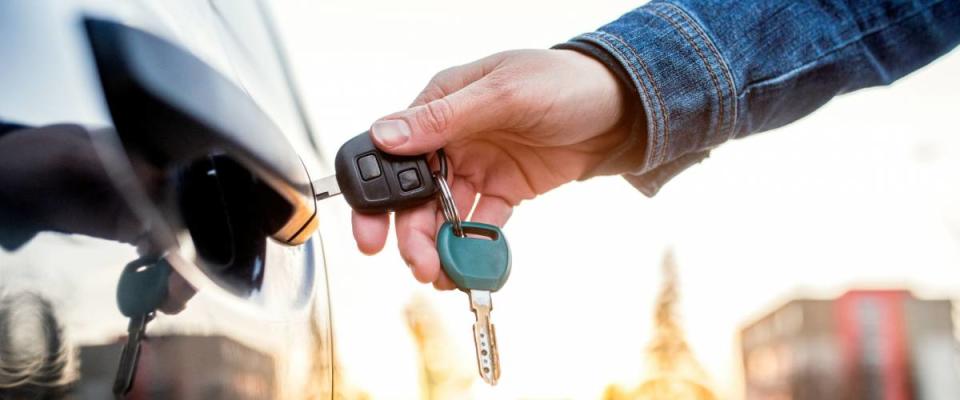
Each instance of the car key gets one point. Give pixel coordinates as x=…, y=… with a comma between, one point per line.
x=141, y=290
x=375, y=182
x=130, y=356
x=478, y=261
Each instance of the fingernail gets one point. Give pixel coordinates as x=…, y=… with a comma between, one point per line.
x=392, y=132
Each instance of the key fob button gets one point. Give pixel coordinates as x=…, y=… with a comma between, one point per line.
x=375, y=182
x=368, y=166
x=409, y=179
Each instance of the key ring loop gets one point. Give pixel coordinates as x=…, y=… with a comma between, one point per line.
x=447, y=205
x=442, y=160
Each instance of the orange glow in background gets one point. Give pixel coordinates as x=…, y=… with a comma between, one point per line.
x=863, y=193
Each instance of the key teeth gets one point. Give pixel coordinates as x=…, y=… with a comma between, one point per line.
x=488, y=358
x=484, y=336
x=494, y=357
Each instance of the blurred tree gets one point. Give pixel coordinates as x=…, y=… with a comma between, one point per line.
x=442, y=375
x=36, y=359
x=673, y=372
x=613, y=392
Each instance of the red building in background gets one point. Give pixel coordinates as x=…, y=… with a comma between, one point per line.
x=864, y=345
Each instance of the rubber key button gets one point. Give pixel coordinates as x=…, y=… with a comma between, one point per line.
x=369, y=167
x=409, y=179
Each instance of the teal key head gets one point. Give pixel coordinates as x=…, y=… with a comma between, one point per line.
x=478, y=261
x=143, y=286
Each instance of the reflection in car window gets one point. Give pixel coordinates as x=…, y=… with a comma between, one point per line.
x=35, y=359
x=64, y=337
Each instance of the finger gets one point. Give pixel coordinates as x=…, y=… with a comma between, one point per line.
x=444, y=282
x=416, y=229
x=450, y=80
x=370, y=231
x=179, y=292
x=492, y=210
x=427, y=127
x=464, y=196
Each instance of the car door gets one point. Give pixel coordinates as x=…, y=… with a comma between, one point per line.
x=258, y=325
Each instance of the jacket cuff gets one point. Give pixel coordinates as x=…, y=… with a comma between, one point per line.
x=8, y=127
x=16, y=229
x=685, y=88
x=627, y=155
x=13, y=234
x=12, y=238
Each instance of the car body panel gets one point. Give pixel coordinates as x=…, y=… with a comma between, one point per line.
x=276, y=344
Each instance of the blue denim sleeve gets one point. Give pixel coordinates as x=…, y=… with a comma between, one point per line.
x=12, y=234
x=8, y=127
x=707, y=71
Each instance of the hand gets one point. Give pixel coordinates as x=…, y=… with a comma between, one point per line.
x=514, y=125
x=54, y=178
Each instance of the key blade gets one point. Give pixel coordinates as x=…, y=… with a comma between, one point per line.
x=488, y=359
x=326, y=187
x=130, y=355
x=484, y=337
x=126, y=372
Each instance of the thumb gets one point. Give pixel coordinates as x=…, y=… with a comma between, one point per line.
x=427, y=127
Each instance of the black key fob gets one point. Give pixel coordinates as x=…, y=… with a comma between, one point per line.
x=376, y=182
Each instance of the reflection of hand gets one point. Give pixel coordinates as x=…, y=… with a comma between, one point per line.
x=53, y=178
x=515, y=125
x=179, y=293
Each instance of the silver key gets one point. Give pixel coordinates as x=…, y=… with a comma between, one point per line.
x=326, y=187
x=130, y=356
x=484, y=337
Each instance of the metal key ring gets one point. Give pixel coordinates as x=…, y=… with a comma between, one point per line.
x=447, y=205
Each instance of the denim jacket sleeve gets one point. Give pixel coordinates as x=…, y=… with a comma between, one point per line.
x=6, y=127
x=12, y=234
x=707, y=71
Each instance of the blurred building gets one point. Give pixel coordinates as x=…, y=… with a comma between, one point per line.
x=864, y=345
x=181, y=367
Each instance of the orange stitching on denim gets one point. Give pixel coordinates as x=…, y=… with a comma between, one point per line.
x=643, y=90
x=713, y=75
x=656, y=90
x=723, y=63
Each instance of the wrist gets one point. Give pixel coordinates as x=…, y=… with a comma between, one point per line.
x=624, y=144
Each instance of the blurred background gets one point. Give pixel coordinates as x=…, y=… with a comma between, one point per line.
x=817, y=261
x=862, y=195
